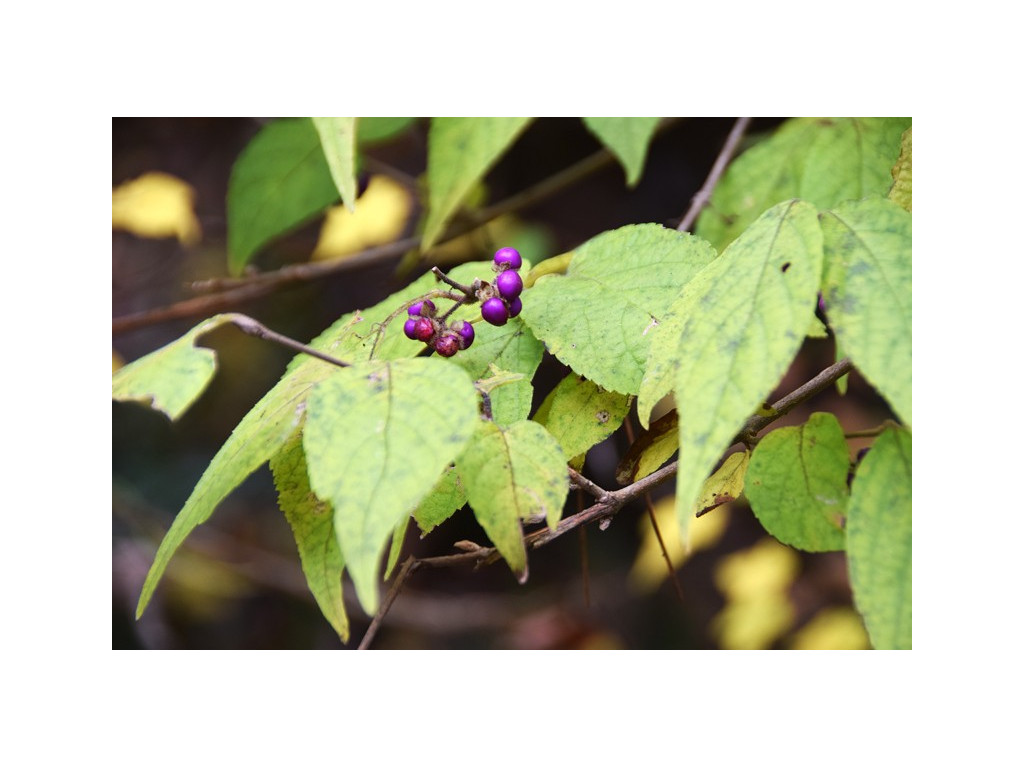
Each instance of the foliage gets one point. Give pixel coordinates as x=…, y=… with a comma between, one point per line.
x=705, y=325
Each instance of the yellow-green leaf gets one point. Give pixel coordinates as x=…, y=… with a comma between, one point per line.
x=867, y=291
x=902, y=182
x=734, y=332
x=879, y=540
x=627, y=138
x=510, y=475
x=173, y=377
x=338, y=139
x=580, y=414
x=460, y=152
x=312, y=523
x=374, y=451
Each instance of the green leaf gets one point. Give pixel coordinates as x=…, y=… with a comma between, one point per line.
x=280, y=180
x=377, y=437
x=447, y=497
x=173, y=377
x=821, y=160
x=338, y=139
x=732, y=335
x=373, y=130
x=312, y=523
x=879, y=540
x=511, y=475
x=627, y=138
x=867, y=290
x=460, y=152
x=580, y=414
x=397, y=539
x=598, y=317
x=796, y=484
x=902, y=183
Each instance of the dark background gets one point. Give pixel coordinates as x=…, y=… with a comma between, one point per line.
x=237, y=582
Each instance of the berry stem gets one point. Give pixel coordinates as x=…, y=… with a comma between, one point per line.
x=469, y=292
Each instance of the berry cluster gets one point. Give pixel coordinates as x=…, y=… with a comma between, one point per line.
x=496, y=310
x=423, y=325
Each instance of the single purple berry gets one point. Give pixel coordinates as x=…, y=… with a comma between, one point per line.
x=509, y=284
x=508, y=258
x=424, y=329
x=515, y=307
x=423, y=308
x=410, y=328
x=465, y=331
x=447, y=344
x=494, y=311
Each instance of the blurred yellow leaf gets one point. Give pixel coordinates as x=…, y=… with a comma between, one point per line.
x=380, y=218
x=833, y=629
x=753, y=624
x=649, y=568
x=156, y=205
x=755, y=583
x=768, y=567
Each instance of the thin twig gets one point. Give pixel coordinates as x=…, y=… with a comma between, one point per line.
x=410, y=565
x=704, y=193
x=654, y=524
x=255, y=328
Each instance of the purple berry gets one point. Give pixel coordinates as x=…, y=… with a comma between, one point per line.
x=447, y=344
x=509, y=284
x=410, y=328
x=423, y=308
x=424, y=329
x=494, y=311
x=465, y=331
x=515, y=307
x=508, y=258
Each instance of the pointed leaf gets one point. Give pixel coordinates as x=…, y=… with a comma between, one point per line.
x=867, y=289
x=280, y=180
x=734, y=332
x=902, y=183
x=338, y=140
x=878, y=540
x=821, y=160
x=461, y=150
x=580, y=414
x=796, y=484
x=725, y=484
x=312, y=523
x=378, y=436
x=173, y=377
x=373, y=130
x=598, y=317
x=627, y=138
x=447, y=497
x=397, y=539
x=510, y=475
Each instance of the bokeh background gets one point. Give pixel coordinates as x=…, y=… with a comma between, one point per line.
x=237, y=582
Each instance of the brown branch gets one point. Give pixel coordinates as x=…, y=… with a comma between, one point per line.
x=704, y=193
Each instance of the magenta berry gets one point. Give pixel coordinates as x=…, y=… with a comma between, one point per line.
x=447, y=344
x=410, y=328
x=465, y=331
x=509, y=284
x=424, y=329
x=494, y=311
x=515, y=307
x=423, y=308
x=508, y=258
